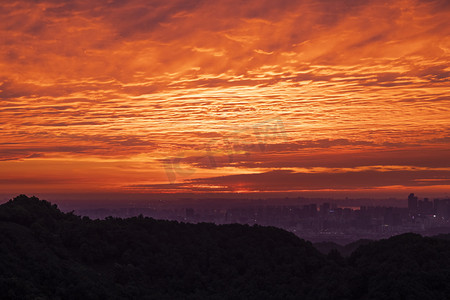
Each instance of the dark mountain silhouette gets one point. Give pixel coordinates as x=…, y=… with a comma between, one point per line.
x=344, y=250
x=48, y=254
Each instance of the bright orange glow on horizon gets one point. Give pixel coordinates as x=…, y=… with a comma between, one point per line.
x=224, y=96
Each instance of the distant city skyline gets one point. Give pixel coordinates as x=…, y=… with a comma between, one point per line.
x=318, y=220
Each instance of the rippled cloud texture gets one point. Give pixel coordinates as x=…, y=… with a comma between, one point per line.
x=185, y=96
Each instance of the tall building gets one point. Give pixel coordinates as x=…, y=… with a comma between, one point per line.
x=412, y=204
x=325, y=208
x=425, y=207
x=442, y=208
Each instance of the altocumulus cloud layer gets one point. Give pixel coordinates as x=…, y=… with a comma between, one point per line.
x=220, y=96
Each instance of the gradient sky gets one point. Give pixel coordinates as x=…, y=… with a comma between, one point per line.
x=225, y=96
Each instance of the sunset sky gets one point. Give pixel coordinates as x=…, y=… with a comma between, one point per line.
x=306, y=97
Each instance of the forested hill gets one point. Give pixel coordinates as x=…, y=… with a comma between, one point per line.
x=47, y=254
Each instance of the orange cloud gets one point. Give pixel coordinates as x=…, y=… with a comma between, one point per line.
x=139, y=82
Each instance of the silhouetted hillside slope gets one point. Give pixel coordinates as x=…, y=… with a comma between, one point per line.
x=326, y=247
x=47, y=254
x=408, y=266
